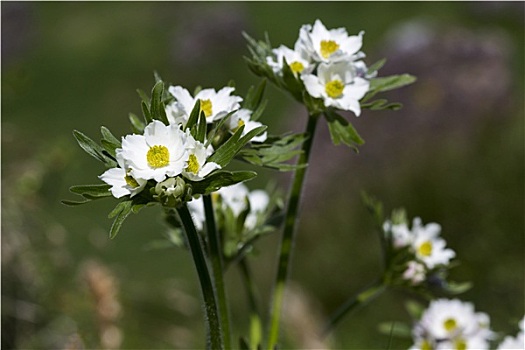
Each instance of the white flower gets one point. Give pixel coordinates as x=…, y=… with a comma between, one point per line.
x=121, y=181
x=197, y=167
x=242, y=117
x=453, y=322
x=330, y=45
x=259, y=200
x=160, y=152
x=297, y=60
x=234, y=197
x=338, y=85
x=429, y=248
x=214, y=104
x=415, y=272
x=401, y=235
x=196, y=208
x=517, y=342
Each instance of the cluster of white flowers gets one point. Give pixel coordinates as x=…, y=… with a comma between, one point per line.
x=237, y=198
x=517, y=342
x=215, y=105
x=328, y=62
x=163, y=152
x=428, y=248
x=451, y=324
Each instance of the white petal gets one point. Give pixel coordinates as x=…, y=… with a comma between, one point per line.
x=313, y=85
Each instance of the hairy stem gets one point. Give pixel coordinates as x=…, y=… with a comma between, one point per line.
x=255, y=320
x=217, y=268
x=287, y=239
x=215, y=339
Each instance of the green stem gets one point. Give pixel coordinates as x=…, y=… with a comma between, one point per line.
x=287, y=238
x=255, y=320
x=217, y=268
x=351, y=304
x=215, y=340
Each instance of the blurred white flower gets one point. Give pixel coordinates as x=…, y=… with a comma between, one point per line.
x=324, y=45
x=121, y=181
x=517, y=342
x=242, y=117
x=196, y=208
x=160, y=152
x=415, y=272
x=452, y=324
x=259, y=200
x=338, y=86
x=297, y=60
x=235, y=197
x=401, y=234
x=428, y=247
x=214, y=104
x=197, y=167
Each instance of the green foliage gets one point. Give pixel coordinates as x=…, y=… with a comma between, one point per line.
x=94, y=150
x=274, y=152
x=341, y=130
x=218, y=179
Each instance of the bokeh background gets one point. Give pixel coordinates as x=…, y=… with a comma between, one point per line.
x=453, y=155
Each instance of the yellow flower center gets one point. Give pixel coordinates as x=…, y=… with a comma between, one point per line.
x=296, y=67
x=206, y=107
x=425, y=249
x=425, y=345
x=158, y=156
x=450, y=324
x=461, y=344
x=131, y=181
x=328, y=47
x=193, y=164
x=239, y=124
x=334, y=88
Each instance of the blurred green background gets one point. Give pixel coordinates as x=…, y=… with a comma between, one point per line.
x=454, y=155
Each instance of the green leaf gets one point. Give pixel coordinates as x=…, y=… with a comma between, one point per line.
x=457, y=287
x=254, y=96
x=274, y=152
x=70, y=203
x=92, y=191
x=376, y=66
x=382, y=104
x=201, y=129
x=120, y=213
x=391, y=82
x=137, y=125
x=220, y=178
x=194, y=115
x=341, y=130
x=93, y=149
x=109, y=142
x=243, y=344
x=292, y=83
x=225, y=153
x=143, y=97
x=157, y=108
x=146, y=112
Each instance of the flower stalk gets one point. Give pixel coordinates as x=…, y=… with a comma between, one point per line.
x=255, y=320
x=288, y=236
x=217, y=268
x=213, y=322
x=361, y=299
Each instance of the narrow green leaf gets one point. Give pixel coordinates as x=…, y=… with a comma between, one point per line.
x=376, y=66
x=224, y=154
x=120, y=214
x=137, y=125
x=217, y=127
x=70, y=203
x=220, y=178
x=194, y=115
x=341, y=130
x=157, y=106
x=201, y=129
x=381, y=104
x=144, y=98
x=395, y=329
x=93, y=149
x=146, y=112
x=254, y=97
x=259, y=111
x=92, y=191
x=294, y=85
x=109, y=142
x=391, y=82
